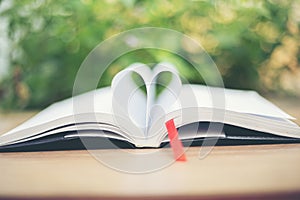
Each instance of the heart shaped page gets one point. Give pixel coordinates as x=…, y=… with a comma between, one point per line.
x=162, y=87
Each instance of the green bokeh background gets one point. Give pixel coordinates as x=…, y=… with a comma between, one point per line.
x=255, y=44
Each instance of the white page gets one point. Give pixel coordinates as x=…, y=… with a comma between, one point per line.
x=163, y=104
x=100, y=97
x=240, y=101
x=142, y=109
x=128, y=99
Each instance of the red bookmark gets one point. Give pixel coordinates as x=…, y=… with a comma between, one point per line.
x=175, y=142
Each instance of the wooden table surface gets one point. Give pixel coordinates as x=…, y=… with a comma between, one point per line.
x=258, y=171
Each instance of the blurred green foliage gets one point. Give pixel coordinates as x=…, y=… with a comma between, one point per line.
x=255, y=44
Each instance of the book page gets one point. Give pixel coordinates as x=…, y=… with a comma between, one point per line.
x=144, y=108
x=241, y=101
x=128, y=99
x=162, y=104
x=101, y=99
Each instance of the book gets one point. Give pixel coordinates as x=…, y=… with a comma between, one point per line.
x=132, y=113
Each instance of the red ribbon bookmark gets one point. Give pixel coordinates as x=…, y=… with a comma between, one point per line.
x=176, y=144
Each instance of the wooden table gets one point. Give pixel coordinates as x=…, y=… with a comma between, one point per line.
x=260, y=171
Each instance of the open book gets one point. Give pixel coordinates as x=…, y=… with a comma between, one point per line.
x=133, y=111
